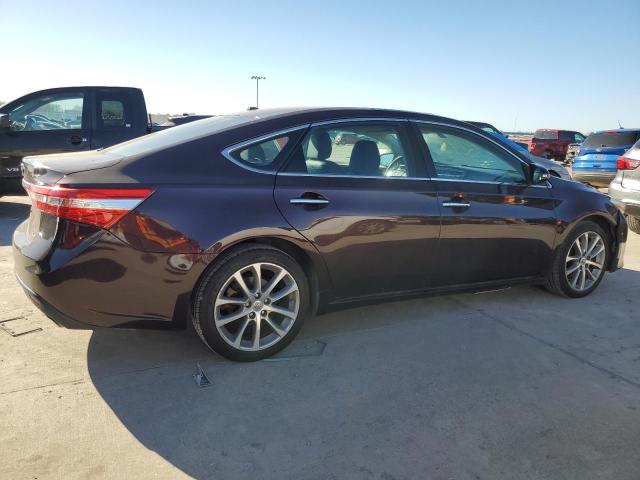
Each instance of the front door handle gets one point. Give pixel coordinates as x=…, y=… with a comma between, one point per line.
x=458, y=204
x=308, y=201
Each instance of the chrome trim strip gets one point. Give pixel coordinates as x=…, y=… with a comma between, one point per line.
x=308, y=201
x=320, y=175
x=227, y=152
x=359, y=119
x=456, y=204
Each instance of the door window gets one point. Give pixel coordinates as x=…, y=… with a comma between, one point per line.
x=62, y=111
x=360, y=149
x=461, y=156
x=112, y=113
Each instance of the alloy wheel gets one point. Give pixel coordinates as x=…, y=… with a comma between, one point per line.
x=585, y=261
x=257, y=306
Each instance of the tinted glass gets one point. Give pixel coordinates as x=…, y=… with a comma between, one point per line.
x=354, y=149
x=261, y=155
x=546, y=135
x=460, y=156
x=611, y=139
x=567, y=136
x=49, y=112
x=112, y=113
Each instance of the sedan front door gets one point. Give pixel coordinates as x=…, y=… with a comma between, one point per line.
x=496, y=225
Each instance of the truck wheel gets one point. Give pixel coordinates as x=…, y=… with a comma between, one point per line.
x=634, y=224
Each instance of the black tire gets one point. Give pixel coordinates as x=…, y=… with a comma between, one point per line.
x=215, y=278
x=634, y=224
x=556, y=281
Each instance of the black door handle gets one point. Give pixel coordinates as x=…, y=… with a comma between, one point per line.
x=76, y=140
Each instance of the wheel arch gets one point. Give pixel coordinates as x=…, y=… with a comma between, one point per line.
x=312, y=267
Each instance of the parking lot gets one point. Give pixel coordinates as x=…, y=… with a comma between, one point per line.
x=515, y=384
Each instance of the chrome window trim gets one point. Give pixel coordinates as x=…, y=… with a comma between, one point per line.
x=359, y=119
x=320, y=175
x=227, y=152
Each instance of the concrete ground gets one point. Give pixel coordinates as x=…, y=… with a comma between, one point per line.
x=516, y=384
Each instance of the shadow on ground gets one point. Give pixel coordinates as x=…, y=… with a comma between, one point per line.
x=12, y=214
x=468, y=386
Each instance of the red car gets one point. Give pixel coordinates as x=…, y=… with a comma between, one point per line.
x=551, y=143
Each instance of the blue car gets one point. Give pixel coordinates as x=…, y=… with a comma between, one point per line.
x=595, y=163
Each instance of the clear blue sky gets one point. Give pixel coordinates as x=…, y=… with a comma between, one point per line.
x=564, y=64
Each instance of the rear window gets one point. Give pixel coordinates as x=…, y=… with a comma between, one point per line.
x=611, y=139
x=546, y=135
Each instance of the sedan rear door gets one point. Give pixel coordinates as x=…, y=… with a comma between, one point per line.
x=357, y=190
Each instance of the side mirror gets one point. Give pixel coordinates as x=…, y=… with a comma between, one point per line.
x=5, y=122
x=539, y=174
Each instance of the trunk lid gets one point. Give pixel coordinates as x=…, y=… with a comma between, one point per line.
x=49, y=169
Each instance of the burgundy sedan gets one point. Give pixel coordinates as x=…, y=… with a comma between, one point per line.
x=247, y=223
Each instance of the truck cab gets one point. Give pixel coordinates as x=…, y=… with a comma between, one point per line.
x=69, y=119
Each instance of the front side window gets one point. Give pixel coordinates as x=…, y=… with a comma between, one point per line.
x=461, y=156
x=579, y=138
x=546, y=135
x=354, y=149
x=51, y=112
x=261, y=155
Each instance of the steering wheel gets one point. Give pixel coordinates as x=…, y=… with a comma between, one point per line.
x=30, y=122
x=397, y=168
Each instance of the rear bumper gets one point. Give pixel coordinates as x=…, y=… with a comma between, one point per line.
x=630, y=198
x=107, y=284
x=597, y=179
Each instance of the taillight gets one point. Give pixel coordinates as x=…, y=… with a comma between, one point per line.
x=102, y=207
x=625, y=163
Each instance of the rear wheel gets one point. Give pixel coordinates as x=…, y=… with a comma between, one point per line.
x=634, y=224
x=252, y=304
x=580, y=262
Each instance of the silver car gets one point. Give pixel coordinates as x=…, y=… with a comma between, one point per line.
x=625, y=187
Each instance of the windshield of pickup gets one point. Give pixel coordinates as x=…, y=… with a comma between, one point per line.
x=546, y=135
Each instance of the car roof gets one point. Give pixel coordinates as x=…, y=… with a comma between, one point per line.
x=616, y=130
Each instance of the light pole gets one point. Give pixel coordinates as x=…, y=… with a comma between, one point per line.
x=257, y=78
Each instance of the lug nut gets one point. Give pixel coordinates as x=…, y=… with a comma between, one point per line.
x=267, y=301
x=263, y=313
x=252, y=315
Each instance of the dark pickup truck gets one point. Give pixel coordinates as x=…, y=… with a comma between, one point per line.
x=68, y=119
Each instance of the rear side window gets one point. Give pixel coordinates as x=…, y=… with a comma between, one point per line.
x=546, y=135
x=112, y=113
x=611, y=139
x=113, y=110
x=261, y=155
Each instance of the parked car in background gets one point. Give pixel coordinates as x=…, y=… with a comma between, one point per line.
x=572, y=153
x=554, y=168
x=68, y=119
x=552, y=143
x=596, y=163
x=625, y=187
x=245, y=224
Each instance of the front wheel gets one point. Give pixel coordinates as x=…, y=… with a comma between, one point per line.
x=252, y=304
x=580, y=262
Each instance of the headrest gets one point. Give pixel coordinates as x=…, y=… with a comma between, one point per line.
x=321, y=141
x=365, y=158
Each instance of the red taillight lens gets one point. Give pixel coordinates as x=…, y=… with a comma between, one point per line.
x=625, y=163
x=102, y=207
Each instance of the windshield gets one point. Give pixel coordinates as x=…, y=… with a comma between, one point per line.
x=611, y=139
x=546, y=135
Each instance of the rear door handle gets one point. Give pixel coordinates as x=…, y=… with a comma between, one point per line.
x=76, y=140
